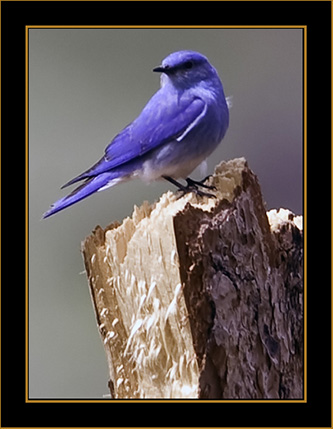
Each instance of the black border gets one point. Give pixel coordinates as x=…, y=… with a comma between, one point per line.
x=316, y=15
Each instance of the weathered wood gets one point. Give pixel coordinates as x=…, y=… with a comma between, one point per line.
x=202, y=297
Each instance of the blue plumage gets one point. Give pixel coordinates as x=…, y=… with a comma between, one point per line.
x=178, y=128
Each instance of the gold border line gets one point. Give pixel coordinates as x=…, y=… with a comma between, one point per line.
x=26, y=210
x=331, y=216
x=305, y=218
x=0, y=224
x=109, y=400
x=162, y=27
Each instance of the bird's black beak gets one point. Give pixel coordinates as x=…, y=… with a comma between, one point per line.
x=159, y=69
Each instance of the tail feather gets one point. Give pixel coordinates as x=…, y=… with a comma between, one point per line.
x=91, y=185
x=93, y=171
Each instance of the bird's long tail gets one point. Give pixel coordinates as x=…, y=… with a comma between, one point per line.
x=91, y=185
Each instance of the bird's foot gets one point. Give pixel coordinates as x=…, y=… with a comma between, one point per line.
x=201, y=183
x=192, y=186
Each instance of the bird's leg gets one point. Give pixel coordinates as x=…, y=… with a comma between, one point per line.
x=201, y=183
x=174, y=182
x=192, y=186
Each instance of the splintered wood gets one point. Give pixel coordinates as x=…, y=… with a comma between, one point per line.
x=201, y=297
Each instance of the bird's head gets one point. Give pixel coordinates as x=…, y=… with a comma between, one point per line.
x=185, y=69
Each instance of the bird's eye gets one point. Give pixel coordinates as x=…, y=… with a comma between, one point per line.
x=188, y=64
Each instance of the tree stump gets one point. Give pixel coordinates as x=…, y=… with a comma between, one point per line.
x=199, y=297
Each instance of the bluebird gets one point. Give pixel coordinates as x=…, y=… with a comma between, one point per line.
x=177, y=130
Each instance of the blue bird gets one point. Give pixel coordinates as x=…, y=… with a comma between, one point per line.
x=179, y=127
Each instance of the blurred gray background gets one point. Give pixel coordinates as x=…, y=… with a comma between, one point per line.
x=85, y=85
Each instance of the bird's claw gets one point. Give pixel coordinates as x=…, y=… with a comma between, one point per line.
x=201, y=183
x=197, y=191
x=193, y=186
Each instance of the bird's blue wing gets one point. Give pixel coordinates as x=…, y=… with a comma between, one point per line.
x=155, y=126
x=163, y=119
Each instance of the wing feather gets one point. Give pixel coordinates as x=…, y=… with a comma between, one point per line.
x=164, y=118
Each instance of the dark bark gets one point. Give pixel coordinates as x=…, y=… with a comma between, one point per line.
x=244, y=295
